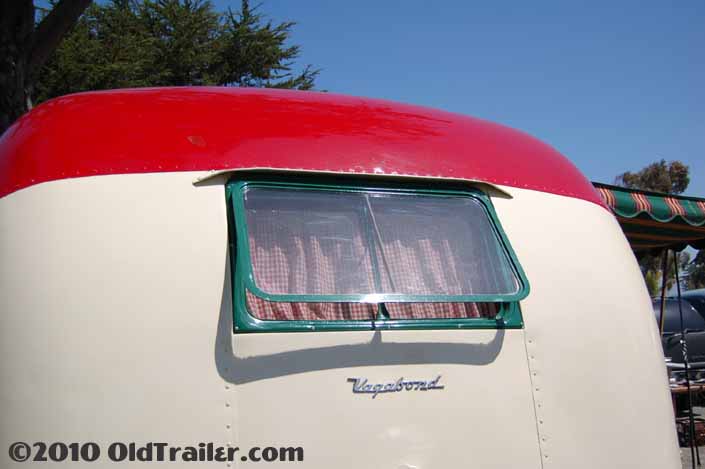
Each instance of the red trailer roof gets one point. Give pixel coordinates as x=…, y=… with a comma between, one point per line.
x=188, y=129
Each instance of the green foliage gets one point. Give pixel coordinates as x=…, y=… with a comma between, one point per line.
x=696, y=272
x=107, y=48
x=652, y=268
x=185, y=36
x=254, y=54
x=137, y=43
x=653, y=283
x=673, y=178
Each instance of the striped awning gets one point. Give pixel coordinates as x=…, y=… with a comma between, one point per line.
x=653, y=221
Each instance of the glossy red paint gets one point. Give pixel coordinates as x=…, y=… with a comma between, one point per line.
x=188, y=129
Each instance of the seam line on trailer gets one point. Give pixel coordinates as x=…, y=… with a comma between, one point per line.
x=224, y=348
x=541, y=437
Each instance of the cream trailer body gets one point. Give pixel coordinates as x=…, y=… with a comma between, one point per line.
x=238, y=278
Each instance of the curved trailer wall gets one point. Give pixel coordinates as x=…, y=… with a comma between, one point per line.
x=116, y=299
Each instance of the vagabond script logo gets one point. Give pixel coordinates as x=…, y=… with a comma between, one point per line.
x=361, y=386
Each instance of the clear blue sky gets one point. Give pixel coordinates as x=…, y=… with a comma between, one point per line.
x=612, y=85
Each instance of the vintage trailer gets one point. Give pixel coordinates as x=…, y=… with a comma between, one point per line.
x=239, y=276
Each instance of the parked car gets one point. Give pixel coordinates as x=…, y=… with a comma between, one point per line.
x=693, y=325
x=697, y=299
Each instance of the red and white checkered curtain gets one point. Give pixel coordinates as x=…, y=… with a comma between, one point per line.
x=424, y=257
x=328, y=255
x=296, y=256
x=285, y=311
x=440, y=255
x=291, y=255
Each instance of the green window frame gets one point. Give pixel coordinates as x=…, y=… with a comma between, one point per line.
x=242, y=276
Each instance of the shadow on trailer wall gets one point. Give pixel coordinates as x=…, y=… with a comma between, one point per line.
x=656, y=223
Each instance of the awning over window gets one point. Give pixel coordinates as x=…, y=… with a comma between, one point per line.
x=652, y=220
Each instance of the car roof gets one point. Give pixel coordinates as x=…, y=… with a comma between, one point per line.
x=700, y=292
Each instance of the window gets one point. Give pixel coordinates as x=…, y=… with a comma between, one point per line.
x=369, y=257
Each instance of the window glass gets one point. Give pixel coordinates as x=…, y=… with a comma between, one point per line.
x=438, y=245
x=313, y=242
x=305, y=244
